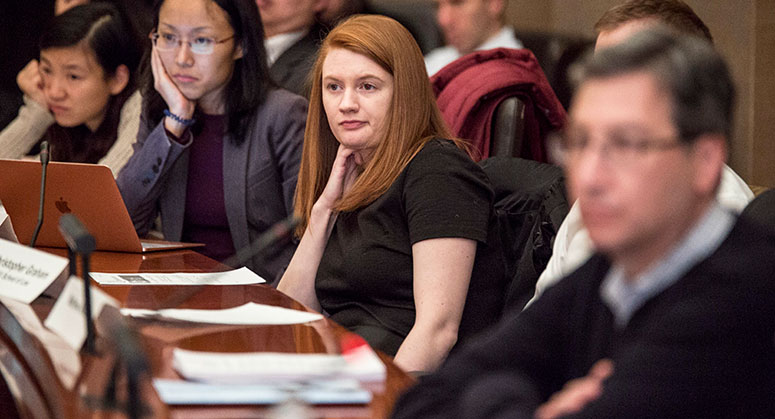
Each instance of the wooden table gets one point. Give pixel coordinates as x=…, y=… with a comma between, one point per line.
x=40, y=393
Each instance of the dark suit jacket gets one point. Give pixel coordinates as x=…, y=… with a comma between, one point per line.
x=701, y=348
x=291, y=68
x=259, y=177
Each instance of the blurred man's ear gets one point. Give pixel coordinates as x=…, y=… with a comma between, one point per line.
x=710, y=154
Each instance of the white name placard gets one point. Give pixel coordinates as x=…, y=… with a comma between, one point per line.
x=6, y=228
x=67, y=316
x=26, y=272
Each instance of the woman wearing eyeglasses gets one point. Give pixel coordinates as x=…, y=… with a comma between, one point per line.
x=218, y=149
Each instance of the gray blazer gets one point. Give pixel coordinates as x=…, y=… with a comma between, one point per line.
x=292, y=66
x=259, y=178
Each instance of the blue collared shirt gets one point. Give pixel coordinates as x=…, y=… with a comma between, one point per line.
x=624, y=297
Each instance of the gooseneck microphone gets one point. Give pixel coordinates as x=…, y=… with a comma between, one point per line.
x=44, y=158
x=277, y=234
x=265, y=245
x=126, y=344
x=80, y=242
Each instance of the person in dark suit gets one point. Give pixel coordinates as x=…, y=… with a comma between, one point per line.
x=674, y=314
x=762, y=209
x=218, y=149
x=292, y=40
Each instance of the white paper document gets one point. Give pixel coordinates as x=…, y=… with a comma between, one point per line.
x=241, y=276
x=26, y=272
x=266, y=367
x=246, y=314
x=177, y=392
x=67, y=317
x=6, y=228
x=66, y=360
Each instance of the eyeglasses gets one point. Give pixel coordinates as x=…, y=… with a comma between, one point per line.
x=201, y=45
x=619, y=150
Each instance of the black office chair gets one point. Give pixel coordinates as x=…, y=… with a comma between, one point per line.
x=419, y=17
x=530, y=205
x=556, y=52
x=762, y=209
x=508, y=129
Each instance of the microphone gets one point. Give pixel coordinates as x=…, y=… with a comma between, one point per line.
x=126, y=345
x=44, y=158
x=262, y=246
x=276, y=234
x=80, y=242
x=76, y=235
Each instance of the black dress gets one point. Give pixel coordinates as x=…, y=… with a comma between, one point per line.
x=364, y=281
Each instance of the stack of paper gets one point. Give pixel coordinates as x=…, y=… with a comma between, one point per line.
x=262, y=367
x=176, y=392
x=261, y=378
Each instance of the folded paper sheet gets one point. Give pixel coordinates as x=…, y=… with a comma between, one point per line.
x=246, y=314
x=67, y=318
x=65, y=359
x=241, y=276
x=6, y=227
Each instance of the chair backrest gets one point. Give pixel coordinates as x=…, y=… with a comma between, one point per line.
x=508, y=128
x=475, y=90
x=530, y=205
x=762, y=209
x=556, y=52
x=419, y=17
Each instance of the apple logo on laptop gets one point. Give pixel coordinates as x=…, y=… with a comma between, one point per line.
x=62, y=206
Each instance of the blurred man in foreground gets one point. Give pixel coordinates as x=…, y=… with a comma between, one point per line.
x=572, y=245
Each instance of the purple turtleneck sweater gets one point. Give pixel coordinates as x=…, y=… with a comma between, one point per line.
x=205, y=215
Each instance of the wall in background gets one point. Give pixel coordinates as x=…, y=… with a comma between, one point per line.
x=744, y=32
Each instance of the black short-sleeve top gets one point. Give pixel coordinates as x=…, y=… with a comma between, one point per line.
x=364, y=281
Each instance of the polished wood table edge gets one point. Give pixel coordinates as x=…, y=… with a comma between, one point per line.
x=187, y=260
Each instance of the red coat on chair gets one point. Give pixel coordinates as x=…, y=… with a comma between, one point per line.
x=469, y=90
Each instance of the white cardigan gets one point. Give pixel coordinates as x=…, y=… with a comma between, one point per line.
x=18, y=138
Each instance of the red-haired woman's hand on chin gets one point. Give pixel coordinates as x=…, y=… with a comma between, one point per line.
x=31, y=84
x=176, y=102
x=343, y=175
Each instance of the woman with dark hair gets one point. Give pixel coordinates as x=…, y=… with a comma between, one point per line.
x=80, y=96
x=218, y=149
x=394, y=214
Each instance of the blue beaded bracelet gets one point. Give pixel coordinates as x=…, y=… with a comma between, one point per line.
x=182, y=121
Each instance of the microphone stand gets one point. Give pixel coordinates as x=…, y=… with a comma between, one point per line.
x=131, y=356
x=80, y=242
x=44, y=158
x=277, y=234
